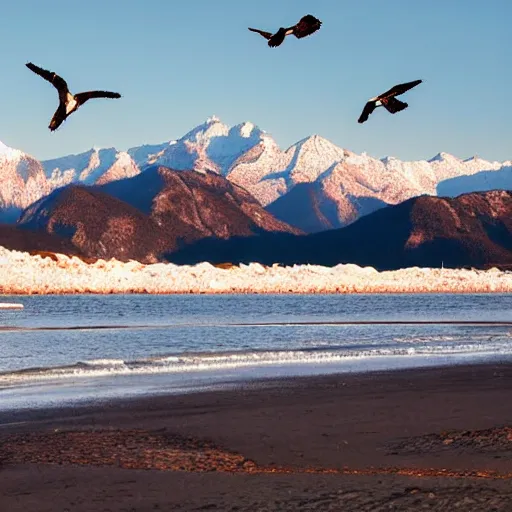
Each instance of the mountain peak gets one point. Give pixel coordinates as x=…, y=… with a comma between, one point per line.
x=6, y=150
x=318, y=145
x=246, y=129
x=443, y=157
x=354, y=183
x=315, y=141
x=212, y=127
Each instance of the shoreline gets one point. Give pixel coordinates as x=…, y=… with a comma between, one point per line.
x=332, y=291
x=260, y=385
x=242, y=291
x=438, y=437
x=75, y=392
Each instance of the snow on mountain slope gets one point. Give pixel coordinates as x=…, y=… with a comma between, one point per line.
x=447, y=166
x=246, y=155
x=311, y=158
x=259, y=170
x=148, y=154
x=268, y=172
x=22, y=178
x=478, y=182
x=209, y=146
x=251, y=158
x=360, y=184
x=122, y=167
x=96, y=166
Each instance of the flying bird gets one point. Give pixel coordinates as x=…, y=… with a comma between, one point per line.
x=68, y=103
x=305, y=27
x=388, y=100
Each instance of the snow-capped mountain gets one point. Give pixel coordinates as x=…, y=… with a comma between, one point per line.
x=500, y=178
x=359, y=184
x=23, y=182
x=210, y=146
x=26, y=180
x=346, y=185
x=96, y=166
x=356, y=184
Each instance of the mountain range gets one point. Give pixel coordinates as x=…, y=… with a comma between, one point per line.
x=471, y=230
x=143, y=217
x=188, y=217
x=313, y=185
x=230, y=194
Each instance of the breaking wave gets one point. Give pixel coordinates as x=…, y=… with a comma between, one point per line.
x=204, y=362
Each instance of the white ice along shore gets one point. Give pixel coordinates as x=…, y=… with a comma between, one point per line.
x=10, y=305
x=21, y=273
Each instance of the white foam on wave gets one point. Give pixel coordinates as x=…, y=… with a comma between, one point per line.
x=175, y=364
x=105, y=362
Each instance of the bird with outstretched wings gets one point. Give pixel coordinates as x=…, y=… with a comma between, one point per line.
x=388, y=100
x=68, y=103
x=305, y=27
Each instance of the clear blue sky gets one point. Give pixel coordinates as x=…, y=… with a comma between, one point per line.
x=178, y=62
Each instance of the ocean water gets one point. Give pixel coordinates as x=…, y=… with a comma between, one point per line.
x=66, y=349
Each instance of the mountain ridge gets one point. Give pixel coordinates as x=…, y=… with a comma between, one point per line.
x=250, y=157
x=147, y=215
x=474, y=229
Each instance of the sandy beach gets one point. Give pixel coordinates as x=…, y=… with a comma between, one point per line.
x=434, y=439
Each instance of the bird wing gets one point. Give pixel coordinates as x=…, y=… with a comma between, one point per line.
x=82, y=97
x=394, y=105
x=306, y=26
x=58, y=118
x=58, y=82
x=277, y=38
x=266, y=35
x=367, y=110
x=400, y=89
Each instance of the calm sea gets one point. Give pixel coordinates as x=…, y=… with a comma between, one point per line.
x=63, y=349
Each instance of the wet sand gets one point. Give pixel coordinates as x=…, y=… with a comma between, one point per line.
x=435, y=439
